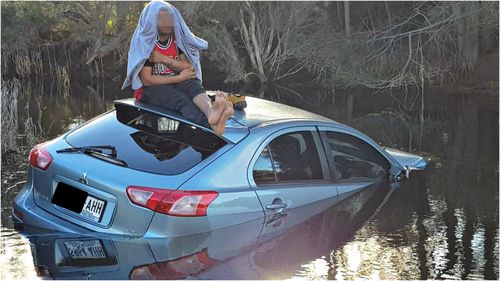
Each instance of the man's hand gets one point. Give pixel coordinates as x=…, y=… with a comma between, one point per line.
x=187, y=74
x=158, y=57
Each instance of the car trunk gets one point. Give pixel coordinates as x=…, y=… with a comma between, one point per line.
x=91, y=192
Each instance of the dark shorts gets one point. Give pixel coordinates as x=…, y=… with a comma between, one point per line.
x=178, y=97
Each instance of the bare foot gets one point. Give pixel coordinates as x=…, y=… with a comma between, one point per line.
x=224, y=94
x=215, y=127
x=221, y=125
x=216, y=110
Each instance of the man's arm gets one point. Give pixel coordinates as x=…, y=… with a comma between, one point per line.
x=149, y=79
x=176, y=65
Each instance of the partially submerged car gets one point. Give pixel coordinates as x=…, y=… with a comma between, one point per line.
x=146, y=171
x=317, y=229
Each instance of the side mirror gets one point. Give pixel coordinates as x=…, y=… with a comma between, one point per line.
x=402, y=175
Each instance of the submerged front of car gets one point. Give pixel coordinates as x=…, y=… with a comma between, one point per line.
x=120, y=173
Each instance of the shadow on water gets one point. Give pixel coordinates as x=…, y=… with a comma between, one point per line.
x=441, y=224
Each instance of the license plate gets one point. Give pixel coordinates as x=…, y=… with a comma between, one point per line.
x=93, y=208
x=85, y=249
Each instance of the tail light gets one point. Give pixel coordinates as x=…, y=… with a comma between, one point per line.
x=39, y=157
x=172, y=202
x=174, y=269
x=18, y=214
x=44, y=273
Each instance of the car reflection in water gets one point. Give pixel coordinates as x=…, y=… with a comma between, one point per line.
x=271, y=249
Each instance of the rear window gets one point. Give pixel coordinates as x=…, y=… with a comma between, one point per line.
x=147, y=141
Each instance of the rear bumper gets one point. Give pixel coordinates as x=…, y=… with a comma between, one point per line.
x=25, y=211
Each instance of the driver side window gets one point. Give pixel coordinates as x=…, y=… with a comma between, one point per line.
x=354, y=159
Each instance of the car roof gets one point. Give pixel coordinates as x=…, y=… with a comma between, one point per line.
x=260, y=111
x=257, y=112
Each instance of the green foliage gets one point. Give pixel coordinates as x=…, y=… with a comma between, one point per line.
x=104, y=27
x=25, y=24
x=413, y=43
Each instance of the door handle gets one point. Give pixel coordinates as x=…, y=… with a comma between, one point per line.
x=276, y=206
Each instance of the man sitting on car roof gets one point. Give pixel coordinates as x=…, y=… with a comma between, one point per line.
x=164, y=68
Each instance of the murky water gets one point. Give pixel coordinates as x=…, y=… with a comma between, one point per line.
x=441, y=224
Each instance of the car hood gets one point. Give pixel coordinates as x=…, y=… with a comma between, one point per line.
x=407, y=160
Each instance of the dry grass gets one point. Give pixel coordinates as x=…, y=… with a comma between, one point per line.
x=9, y=128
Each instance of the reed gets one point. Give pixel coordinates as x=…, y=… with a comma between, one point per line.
x=10, y=122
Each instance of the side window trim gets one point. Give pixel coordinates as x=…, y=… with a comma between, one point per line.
x=295, y=184
x=326, y=152
x=327, y=175
x=272, y=162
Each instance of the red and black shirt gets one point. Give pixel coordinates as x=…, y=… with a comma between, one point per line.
x=167, y=48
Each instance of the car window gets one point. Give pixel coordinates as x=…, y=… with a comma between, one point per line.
x=263, y=171
x=293, y=156
x=147, y=141
x=354, y=158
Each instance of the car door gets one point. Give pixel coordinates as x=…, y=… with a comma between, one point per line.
x=354, y=163
x=289, y=170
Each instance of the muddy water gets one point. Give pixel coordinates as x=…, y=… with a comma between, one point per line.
x=442, y=224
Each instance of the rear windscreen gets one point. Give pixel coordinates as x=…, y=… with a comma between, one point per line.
x=147, y=141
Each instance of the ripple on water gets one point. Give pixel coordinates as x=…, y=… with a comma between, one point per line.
x=16, y=259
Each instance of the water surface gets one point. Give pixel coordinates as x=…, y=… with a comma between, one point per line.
x=441, y=224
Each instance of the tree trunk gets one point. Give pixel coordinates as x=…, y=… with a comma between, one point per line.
x=350, y=105
x=347, y=20
x=347, y=24
x=468, y=34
